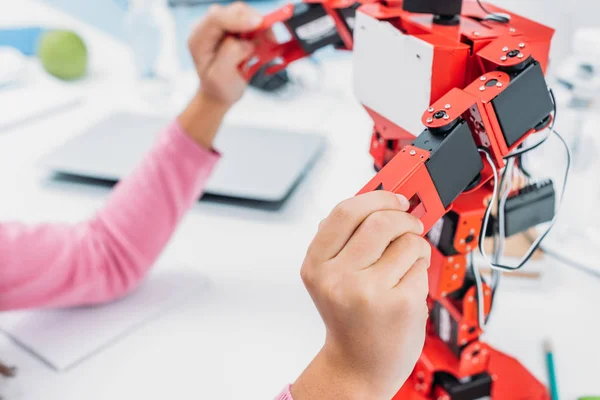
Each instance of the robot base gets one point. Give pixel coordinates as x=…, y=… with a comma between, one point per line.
x=511, y=381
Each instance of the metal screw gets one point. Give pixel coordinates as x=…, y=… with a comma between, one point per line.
x=454, y=277
x=464, y=327
x=468, y=248
x=431, y=109
x=446, y=116
x=476, y=33
x=462, y=241
x=504, y=58
x=456, y=266
x=520, y=55
x=512, y=30
x=450, y=259
x=447, y=106
x=499, y=84
x=444, y=294
x=522, y=45
x=487, y=292
x=470, y=299
x=505, y=49
x=413, y=152
x=472, y=231
x=375, y=145
x=482, y=88
x=483, y=78
x=429, y=120
x=464, y=342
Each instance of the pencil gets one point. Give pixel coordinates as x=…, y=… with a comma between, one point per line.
x=551, y=370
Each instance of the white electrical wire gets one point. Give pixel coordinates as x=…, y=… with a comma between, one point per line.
x=537, y=242
x=500, y=237
x=475, y=269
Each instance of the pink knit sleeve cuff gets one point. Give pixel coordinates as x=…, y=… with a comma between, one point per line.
x=187, y=147
x=285, y=395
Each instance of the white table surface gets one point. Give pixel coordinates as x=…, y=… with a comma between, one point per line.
x=255, y=329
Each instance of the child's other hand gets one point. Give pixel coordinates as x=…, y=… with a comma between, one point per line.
x=217, y=55
x=366, y=271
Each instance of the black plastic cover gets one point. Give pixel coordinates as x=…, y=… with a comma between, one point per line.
x=313, y=27
x=531, y=206
x=454, y=161
x=524, y=103
x=437, y=7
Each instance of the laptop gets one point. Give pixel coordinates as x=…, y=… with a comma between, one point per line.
x=258, y=164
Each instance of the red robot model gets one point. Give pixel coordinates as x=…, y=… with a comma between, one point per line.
x=478, y=74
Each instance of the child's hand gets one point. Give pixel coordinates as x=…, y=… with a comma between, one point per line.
x=217, y=54
x=366, y=271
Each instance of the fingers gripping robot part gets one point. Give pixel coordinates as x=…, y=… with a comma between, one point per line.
x=477, y=92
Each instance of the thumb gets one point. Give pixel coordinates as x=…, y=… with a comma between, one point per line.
x=231, y=53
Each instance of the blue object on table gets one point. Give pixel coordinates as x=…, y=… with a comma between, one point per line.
x=551, y=370
x=24, y=39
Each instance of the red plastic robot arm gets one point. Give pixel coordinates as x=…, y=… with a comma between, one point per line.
x=312, y=25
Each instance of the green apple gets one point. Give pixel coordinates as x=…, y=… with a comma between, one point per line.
x=63, y=54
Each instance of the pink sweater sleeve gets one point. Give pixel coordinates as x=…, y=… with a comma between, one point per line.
x=104, y=258
x=285, y=395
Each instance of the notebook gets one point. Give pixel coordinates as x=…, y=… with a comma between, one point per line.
x=64, y=338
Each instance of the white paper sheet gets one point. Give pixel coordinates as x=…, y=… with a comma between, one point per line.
x=64, y=338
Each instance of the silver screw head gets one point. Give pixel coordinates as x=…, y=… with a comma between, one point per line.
x=446, y=116
x=521, y=55
x=512, y=30
x=505, y=49
x=504, y=58
x=477, y=33
x=483, y=78
x=413, y=152
x=431, y=109
x=447, y=106
x=499, y=84
x=482, y=88
x=522, y=45
x=429, y=120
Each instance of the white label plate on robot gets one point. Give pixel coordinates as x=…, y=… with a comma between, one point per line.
x=392, y=72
